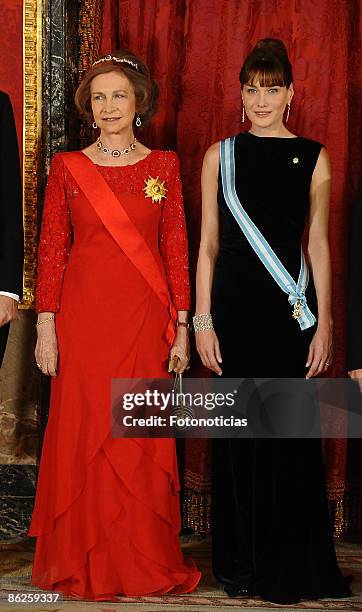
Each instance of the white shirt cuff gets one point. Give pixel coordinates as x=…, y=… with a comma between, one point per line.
x=11, y=295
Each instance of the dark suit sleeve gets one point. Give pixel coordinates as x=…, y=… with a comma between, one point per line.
x=11, y=214
x=354, y=320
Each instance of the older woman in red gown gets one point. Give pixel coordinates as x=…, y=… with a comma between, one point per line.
x=112, y=297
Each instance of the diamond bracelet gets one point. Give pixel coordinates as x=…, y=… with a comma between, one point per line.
x=202, y=322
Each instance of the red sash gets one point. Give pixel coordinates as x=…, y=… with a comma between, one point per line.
x=122, y=229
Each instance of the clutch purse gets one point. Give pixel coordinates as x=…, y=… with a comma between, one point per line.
x=181, y=409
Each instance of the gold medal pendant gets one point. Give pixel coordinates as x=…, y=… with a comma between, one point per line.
x=297, y=311
x=155, y=189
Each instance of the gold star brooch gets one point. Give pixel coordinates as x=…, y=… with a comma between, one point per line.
x=155, y=189
x=295, y=160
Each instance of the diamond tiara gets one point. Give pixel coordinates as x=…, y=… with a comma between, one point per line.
x=111, y=58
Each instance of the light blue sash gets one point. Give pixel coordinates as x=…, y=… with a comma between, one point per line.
x=295, y=291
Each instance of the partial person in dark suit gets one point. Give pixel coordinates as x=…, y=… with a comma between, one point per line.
x=354, y=322
x=11, y=222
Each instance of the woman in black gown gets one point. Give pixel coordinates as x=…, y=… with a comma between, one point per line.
x=271, y=528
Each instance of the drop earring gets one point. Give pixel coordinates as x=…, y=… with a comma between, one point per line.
x=243, y=115
x=138, y=121
x=288, y=112
x=94, y=125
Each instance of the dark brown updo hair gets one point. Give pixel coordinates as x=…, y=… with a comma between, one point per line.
x=146, y=90
x=268, y=63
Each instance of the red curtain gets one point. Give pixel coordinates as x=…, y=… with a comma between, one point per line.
x=11, y=61
x=195, y=49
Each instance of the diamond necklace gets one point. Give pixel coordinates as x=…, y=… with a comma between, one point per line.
x=116, y=152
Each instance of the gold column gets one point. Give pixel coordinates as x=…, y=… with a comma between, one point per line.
x=32, y=122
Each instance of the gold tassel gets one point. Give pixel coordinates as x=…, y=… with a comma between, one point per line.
x=339, y=523
x=197, y=512
x=335, y=492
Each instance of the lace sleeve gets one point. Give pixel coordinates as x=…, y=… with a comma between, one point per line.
x=55, y=240
x=173, y=239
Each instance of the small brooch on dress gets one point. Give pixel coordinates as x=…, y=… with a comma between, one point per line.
x=295, y=160
x=155, y=189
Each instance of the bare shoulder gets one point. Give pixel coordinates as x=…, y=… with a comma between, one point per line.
x=322, y=170
x=90, y=152
x=210, y=173
x=212, y=155
x=210, y=168
x=88, y=149
x=143, y=150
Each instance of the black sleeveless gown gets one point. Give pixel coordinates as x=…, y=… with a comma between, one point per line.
x=271, y=525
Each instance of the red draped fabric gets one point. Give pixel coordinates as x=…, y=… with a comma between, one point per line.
x=195, y=49
x=11, y=62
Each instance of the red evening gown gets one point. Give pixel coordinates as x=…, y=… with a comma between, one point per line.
x=107, y=515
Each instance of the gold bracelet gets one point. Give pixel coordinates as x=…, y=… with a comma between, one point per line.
x=45, y=321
